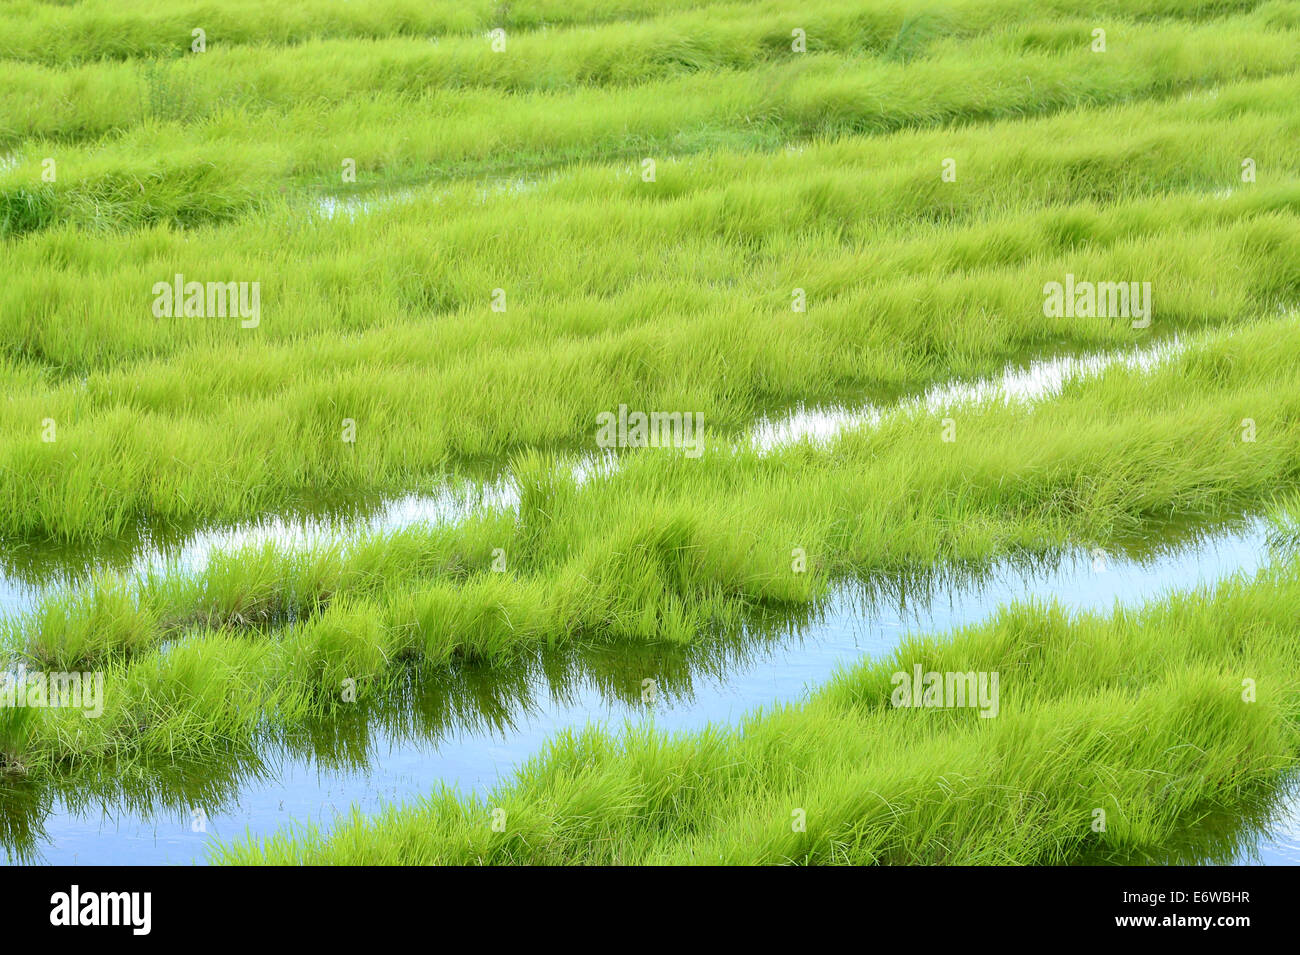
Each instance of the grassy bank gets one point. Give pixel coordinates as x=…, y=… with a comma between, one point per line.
x=176, y=421
x=69, y=104
x=775, y=171
x=666, y=549
x=1141, y=715
x=243, y=154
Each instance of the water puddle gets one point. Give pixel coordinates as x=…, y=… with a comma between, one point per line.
x=333, y=207
x=1017, y=385
x=477, y=725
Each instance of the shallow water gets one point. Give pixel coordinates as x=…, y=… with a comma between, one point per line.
x=332, y=207
x=477, y=725
x=1020, y=384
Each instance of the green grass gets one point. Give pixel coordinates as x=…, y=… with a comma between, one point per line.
x=177, y=421
x=667, y=549
x=402, y=138
x=106, y=30
x=775, y=170
x=725, y=37
x=1140, y=714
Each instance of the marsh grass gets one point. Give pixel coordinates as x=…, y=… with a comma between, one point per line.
x=199, y=435
x=1140, y=714
x=104, y=31
x=663, y=550
x=267, y=129
x=776, y=170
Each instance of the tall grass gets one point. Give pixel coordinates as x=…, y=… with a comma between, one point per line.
x=75, y=103
x=666, y=548
x=1141, y=715
x=184, y=420
x=106, y=30
x=396, y=139
x=775, y=171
